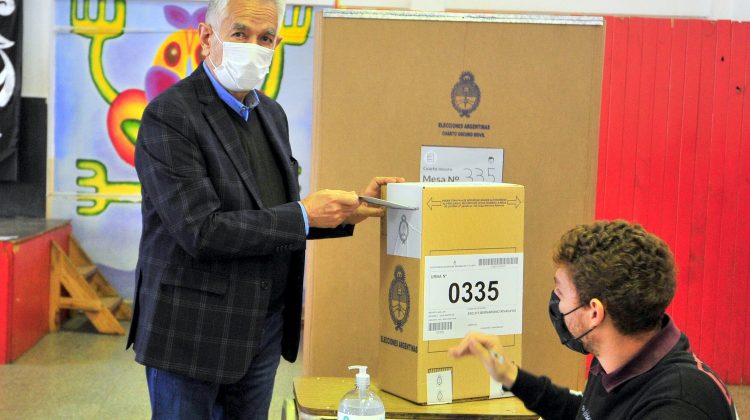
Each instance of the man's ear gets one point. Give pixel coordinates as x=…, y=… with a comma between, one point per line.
x=205, y=32
x=597, y=310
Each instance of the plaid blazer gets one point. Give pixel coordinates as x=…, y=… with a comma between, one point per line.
x=203, y=277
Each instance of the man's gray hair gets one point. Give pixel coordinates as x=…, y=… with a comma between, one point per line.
x=217, y=12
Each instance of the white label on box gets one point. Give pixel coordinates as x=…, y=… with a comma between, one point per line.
x=404, y=234
x=497, y=391
x=461, y=164
x=440, y=387
x=477, y=292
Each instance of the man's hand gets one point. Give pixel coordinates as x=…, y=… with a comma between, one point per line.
x=489, y=351
x=372, y=190
x=330, y=208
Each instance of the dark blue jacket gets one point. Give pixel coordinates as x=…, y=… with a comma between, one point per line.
x=203, y=277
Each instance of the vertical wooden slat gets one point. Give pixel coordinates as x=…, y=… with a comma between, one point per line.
x=643, y=176
x=714, y=199
x=619, y=29
x=739, y=341
x=630, y=118
x=604, y=118
x=701, y=288
x=732, y=118
x=687, y=179
x=741, y=365
x=672, y=159
x=656, y=204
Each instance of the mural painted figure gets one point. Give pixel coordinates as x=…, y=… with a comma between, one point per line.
x=112, y=58
x=175, y=58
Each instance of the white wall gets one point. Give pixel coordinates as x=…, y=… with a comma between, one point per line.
x=37, y=33
x=38, y=20
x=740, y=10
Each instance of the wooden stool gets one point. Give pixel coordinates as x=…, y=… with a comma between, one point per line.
x=76, y=283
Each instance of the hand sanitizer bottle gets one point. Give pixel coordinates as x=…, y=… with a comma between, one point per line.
x=361, y=403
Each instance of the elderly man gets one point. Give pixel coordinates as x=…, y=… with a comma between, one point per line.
x=613, y=283
x=219, y=273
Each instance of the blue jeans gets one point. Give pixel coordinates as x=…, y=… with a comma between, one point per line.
x=175, y=396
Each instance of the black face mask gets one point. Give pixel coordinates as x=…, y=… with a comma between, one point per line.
x=558, y=321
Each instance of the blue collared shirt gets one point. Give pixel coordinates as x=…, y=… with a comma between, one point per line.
x=244, y=111
x=240, y=108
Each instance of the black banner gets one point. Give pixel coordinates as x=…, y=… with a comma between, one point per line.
x=10, y=87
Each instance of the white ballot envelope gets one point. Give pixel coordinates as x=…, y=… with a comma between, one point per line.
x=385, y=203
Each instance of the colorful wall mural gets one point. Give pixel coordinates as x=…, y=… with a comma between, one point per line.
x=111, y=58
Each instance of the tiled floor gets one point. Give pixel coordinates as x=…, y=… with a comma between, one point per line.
x=79, y=374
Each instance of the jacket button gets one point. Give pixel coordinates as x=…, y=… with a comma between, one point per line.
x=264, y=285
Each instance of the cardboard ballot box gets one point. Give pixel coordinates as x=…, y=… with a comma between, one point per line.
x=453, y=265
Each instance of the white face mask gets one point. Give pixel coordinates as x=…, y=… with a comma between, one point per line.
x=243, y=65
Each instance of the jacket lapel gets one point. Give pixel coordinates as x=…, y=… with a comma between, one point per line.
x=218, y=118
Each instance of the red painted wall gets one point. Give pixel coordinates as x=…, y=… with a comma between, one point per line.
x=675, y=156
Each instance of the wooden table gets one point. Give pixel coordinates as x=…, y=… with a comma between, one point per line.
x=318, y=398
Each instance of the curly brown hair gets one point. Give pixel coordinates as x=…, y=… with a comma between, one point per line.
x=630, y=270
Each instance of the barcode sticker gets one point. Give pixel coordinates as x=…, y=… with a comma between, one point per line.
x=440, y=326
x=473, y=292
x=498, y=261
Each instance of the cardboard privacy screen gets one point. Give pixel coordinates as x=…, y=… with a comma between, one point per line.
x=388, y=83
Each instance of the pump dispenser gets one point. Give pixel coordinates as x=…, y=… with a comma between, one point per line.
x=361, y=403
x=362, y=379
